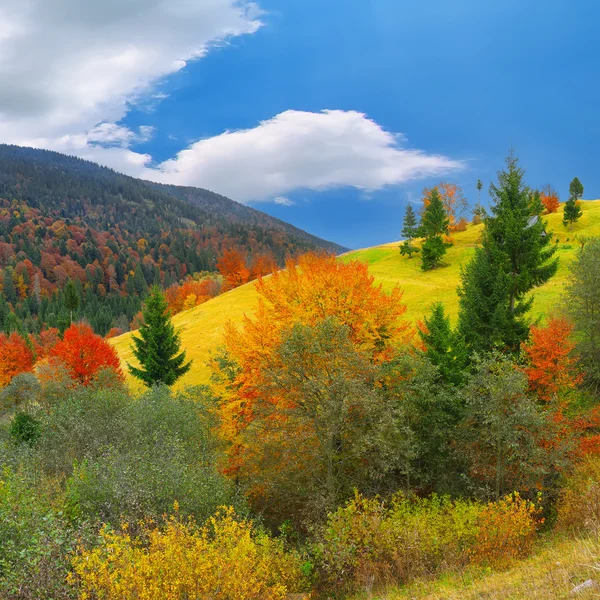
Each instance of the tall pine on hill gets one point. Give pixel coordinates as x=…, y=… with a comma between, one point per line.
x=515, y=257
x=434, y=225
x=157, y=347
x=409, y=232
x=572, y=210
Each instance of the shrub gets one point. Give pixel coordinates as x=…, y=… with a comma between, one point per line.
x=25, y=429
x=367, y=542
x=505, y=531
x=23, y=391
x=579, y=504
x=226, y=559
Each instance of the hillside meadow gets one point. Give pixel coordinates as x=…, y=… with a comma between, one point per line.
x=202, y=327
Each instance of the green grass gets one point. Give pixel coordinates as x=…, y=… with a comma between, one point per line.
x=202, y=327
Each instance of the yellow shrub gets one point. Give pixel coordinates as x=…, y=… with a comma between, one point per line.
x=223, y=560
x=505, y=530
x=579, y=504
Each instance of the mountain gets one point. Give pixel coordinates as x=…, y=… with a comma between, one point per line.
x=63, y=218
x=202, y=327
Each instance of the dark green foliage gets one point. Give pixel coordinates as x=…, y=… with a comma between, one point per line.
x=158, y=345
x=479, y=187
x=443, y=347
x=515, y=257
x=72, y=299
x=8, y=286
x=434, y=225
x=582, y=304
x=576, y=189
x=25, y=429
x=409, y=232
x=572, y=211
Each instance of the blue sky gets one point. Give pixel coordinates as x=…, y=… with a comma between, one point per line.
x=461, y=81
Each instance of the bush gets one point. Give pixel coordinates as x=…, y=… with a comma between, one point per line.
x=367, y=542
x=579, y=505
x=226, y=559
x=23, y=391
x=505, y=531
x=25, y=429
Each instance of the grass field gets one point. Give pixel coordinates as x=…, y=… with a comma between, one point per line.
x=202, y=327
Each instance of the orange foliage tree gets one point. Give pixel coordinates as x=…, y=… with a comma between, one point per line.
x=549, y=198
x=311, y=289
x=550, y=365
x=16, y=356
x=84, y=353
x=232, y=266
x=188, y=294
x=454, y=201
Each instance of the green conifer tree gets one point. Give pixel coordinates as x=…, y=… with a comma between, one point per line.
x=515, y=257
x=434, y=225
x=71, y=298
x=8, y=286
x=572, y=209
x=158, y=344
x=443, y=347
x=409, y=232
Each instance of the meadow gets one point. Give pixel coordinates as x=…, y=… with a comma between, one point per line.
x=202, y=327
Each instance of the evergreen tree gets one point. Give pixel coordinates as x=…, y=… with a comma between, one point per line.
x=479, y=187
x=443, y=347
x=434, y=225
x=8, y=286
x=409, y=232
x=71, y=298
x=515, y=257
x=576, y=189
x=157, y=346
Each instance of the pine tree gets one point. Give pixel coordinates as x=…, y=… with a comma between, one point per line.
x=479, y=187
x=515, y=257
x=443, y=347
x=434, y=225
x=8, y=286
x=572, y=210
x=157, y=347
x=71, y=298
x=409, y=232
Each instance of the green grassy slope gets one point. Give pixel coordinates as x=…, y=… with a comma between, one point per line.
x=202, y=327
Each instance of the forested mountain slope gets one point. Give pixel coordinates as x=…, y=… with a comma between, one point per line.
x=63, y=218
x=202, y=327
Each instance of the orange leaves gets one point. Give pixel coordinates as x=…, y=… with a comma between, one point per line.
x=549, y=198
x=551, y=368
x=16, y=357
x=84, y=353
x=189, y=294
x=454, y=203
x=232, y=265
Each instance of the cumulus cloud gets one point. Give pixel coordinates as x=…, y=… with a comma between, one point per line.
x=300, y=150
x=67, y=66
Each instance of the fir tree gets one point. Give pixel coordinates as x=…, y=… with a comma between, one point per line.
x=409, y=232
x=71, y=298
x=434, y=225
x=515, y=257
x=158, y=345
x=572, y=210
x=443, y=347
x=479, y=187
x=8, y=286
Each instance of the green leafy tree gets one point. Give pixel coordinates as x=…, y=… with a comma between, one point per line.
x=158, y=344
x=443, y=346
x=409, y=232
x=434, y=225
x=515, y=256
x=576, y=189
x=572, y=209
x=71, y=298
x=582, y=304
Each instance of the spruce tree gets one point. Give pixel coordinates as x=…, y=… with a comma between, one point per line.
x=572, y=210
x=434, y=225
x=158, y=345
x=515, y=257
x=443, y=346
x=479, y=187
x=8, y=287
x=409, y=232
x=71, y=298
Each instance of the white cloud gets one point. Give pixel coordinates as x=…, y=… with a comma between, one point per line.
x=283, y=201
x=300, y=150
x=71, y=68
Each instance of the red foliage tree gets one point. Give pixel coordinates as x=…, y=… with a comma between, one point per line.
x=84, y=353
x=549, y=198
x=550, y=366
x=232, y=266
x=16, y=357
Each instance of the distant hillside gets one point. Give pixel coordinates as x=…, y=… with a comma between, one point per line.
x=63, y=218
x=202, y=327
